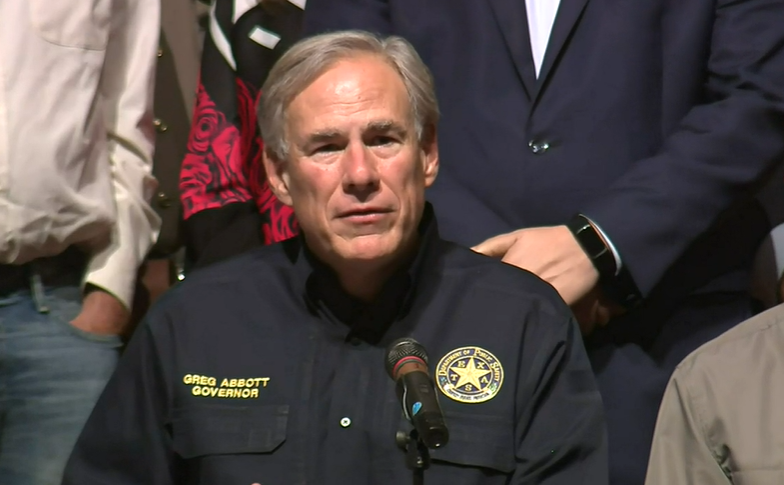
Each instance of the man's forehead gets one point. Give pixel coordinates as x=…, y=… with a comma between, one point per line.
x=354, y=80
x=366, y=91
x=361, y=66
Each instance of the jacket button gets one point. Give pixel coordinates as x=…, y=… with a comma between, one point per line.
x=538, y=147
x=160, y=126
x=160, y=52
x=345, y=422
x=163, y=200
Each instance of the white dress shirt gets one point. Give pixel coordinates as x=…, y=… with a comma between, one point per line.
x=541, y=18
x=76, y=133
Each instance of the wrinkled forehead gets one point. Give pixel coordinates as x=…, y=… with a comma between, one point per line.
x=359, y=92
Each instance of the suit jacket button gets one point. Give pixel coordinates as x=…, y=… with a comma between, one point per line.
x=160, y=126
x=538, y=147
x=164, y=201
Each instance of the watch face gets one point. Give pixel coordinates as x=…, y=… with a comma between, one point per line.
x=591, y=240
x=593, y=245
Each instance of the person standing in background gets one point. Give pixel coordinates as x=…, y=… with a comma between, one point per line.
x=720, y=422
x=613, y=149
x=76, y=145
x=175, y=94
x=227, y=204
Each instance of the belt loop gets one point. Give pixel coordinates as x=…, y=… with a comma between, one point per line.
x=37, y=290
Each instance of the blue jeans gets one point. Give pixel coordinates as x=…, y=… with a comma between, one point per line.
x=51, y=375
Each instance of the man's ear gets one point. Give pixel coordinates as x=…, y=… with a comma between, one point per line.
x=430, y=154
x=278, y=177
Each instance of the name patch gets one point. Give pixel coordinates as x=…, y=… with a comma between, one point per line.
x=208, y=386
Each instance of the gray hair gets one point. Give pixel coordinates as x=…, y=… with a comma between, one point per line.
x=309, y=58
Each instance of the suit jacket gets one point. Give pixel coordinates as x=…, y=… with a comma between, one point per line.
x=655, y=118
x=720, y=421
x=175, y=91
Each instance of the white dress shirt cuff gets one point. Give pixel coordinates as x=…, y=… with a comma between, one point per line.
x=616, y=255
x=114, y=271
x=114, y=268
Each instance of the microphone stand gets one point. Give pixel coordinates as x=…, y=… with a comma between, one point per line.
x=417, y=454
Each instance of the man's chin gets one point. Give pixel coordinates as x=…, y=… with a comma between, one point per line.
x=367, y=256
x=369, y=249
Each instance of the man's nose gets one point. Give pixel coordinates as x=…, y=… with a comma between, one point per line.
x=361, y=169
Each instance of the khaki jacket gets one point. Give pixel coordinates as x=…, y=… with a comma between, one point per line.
x=722, y=417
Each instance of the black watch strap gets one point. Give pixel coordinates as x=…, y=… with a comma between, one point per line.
x=617, y=285
x=592, y=243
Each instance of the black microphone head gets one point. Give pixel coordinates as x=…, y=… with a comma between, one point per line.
x=401, y=348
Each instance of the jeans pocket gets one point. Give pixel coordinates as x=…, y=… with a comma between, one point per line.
x=10, y=299
x=64, y=304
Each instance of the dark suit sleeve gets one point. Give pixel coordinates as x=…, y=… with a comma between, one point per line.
x=326, y=15
x=720, y=150
x=125, y=441
x=223, y=232
x=561, y=435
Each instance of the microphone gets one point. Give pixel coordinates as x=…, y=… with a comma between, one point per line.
x=406, y=364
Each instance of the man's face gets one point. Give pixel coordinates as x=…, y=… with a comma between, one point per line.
x=356, y=173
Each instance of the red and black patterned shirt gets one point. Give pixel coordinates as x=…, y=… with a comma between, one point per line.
x=228, y=206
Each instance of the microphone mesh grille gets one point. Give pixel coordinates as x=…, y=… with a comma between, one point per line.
x=404, y=347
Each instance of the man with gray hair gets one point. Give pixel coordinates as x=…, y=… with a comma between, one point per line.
x=269, y=368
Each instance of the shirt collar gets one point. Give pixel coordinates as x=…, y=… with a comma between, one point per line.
x=323, y=294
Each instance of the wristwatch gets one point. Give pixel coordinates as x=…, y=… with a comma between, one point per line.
x=617, y=285
x=594, y=246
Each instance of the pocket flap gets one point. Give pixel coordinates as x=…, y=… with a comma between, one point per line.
x=478, y=441
x=219, y=430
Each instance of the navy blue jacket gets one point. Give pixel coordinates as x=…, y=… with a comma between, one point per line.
x=652, y=117
x=262, y=370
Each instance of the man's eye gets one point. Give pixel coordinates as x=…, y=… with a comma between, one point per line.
x=326, y=148
x=380, y=141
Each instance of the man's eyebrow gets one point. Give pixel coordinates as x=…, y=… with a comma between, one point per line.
x=380, y=126
x=387, y=126
x=325, y=135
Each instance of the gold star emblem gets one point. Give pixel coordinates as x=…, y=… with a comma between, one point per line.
x=469, y=374
x=477, y=372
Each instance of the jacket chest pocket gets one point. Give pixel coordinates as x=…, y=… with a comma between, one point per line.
x=227, y=444
x=481, y=450
x=83, y=24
